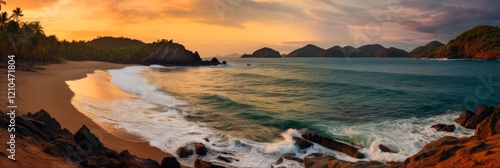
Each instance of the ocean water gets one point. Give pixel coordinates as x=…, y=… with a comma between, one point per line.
x=250, y=108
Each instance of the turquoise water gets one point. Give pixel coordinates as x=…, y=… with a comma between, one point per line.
x=315, y=94
x=251, y=108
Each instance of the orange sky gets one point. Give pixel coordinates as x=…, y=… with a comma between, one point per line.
x=220, y=27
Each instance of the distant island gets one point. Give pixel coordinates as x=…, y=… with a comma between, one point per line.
x=480, y=42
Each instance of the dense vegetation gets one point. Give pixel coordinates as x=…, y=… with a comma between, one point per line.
x=480, y=42
x=31, y=45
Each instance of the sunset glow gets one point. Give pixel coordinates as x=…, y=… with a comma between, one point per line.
x=219, y=27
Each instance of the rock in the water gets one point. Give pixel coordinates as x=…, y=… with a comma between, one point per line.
x=184, y=152
x=170, y=162
x=479, y=115
x=200, y=149
x=302, y=143
x=204, y=164
x=334, y=145
x=332, y=162
x=224, y=62
x=489, y=126
x=464, y=117
x=289, y=156
x=384, y=148
x=444, y=127
x=227, y=159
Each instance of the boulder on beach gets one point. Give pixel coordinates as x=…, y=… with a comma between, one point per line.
x=184, y=152
x=200, y=149
x=170, y=162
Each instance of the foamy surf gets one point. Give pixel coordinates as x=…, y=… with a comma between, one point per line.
x=159, y=118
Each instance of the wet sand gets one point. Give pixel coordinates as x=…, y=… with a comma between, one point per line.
x=47, y=89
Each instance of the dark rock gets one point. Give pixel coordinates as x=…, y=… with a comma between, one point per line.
x=170, y=162
x=129, y=160
x=332, y=162
x=204, y=164
x=489, y=126
x=87, y=140
x=50, y=125
x=200, y=149
x=334, y=145
x=479, y=115
x=82, y=148
x=227, y=159
x=464, y=117
x=444, y=127
x=173, y=54
x=224, y=62
x=206, y=139
x=384, y=148
x=302, y=143
x=289, y=156
x=184, y=152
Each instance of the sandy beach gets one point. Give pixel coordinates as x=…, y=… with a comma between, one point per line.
x=47, y=89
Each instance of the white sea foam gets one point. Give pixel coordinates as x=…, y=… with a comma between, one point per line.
x=408, y=136
x=160, y=119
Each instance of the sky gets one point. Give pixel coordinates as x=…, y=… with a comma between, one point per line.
x=221, y=27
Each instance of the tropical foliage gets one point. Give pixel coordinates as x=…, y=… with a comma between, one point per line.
x=30, y=44
x=480, y=42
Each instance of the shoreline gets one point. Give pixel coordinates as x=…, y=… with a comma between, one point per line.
x=47, y=89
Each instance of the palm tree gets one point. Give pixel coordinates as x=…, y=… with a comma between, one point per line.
x=4, y=17
x=17, y=13
x=2, y=2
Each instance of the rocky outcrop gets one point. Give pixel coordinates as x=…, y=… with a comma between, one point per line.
x=489, y=126
x=471, y=120
x=314, y=161
x=480, y=150
x=444, y=127
x=263, y=53
x=306, y=51
x=334, y=145
x=82, y=148
x=173, y=54
x=451, y=151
